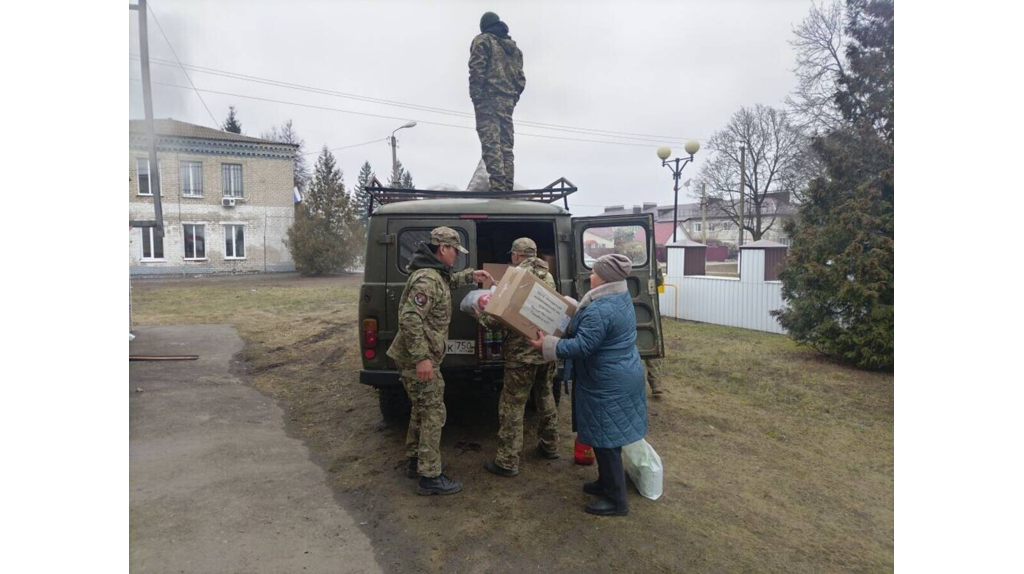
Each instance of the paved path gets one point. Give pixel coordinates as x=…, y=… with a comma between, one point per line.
x=216, y=485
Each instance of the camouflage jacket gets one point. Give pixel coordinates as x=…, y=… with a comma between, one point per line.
x=495, y=68
x=425, y=309
x=517, y=350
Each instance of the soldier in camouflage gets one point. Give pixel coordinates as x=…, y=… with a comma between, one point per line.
x=526, y=375
x=653, y=366
x=424, y=312
x=496, y=81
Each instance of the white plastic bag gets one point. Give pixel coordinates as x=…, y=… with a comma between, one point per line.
x=475, y=301
x=643, y=466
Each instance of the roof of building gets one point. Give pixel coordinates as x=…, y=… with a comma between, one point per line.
x=764, y=244
x=686, y=242
x=663, y=232
x=175, y=128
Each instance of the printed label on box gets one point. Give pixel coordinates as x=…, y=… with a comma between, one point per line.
x=544, y=309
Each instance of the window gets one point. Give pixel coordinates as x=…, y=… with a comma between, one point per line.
x=409, y=240
x=152, y=244
x=234, y=241
x=628, y=240
x=231, y=173
x=143, y=172
x=696, y=226
x=192, y=179
x=195, y=241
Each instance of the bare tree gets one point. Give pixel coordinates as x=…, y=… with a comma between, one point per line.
x=287, y=134
x=820, y=62
x=777, y=168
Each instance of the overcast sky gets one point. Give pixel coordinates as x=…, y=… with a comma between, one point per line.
x=673, y=70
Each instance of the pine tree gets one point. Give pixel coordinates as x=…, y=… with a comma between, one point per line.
x=404, y=179
x=232, y=124
x=361, y=199
x=840, y=278
x=326, y=236
x=407, y=180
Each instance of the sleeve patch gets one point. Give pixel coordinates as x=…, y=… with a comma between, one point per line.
x=420, y=299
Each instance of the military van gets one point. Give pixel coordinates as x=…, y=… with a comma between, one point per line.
x=400, y=219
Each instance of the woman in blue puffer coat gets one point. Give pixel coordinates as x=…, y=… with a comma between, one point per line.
x=609, y=399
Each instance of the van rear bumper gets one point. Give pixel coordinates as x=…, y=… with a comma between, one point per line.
x=390, y=380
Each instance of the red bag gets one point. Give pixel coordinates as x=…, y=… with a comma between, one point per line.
x=583, y=454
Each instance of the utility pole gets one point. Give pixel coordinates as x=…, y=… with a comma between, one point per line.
x=704, y=213
x=147, y=99
x=743, y=184
x=394, y=160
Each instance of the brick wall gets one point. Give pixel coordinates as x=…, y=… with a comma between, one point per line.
x=265, y=211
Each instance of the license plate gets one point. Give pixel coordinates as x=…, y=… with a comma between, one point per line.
x=460, y=347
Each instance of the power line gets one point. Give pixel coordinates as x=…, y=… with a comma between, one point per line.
x=175, y=54
x=554, y=127
x=378, y=140
x=426, y=122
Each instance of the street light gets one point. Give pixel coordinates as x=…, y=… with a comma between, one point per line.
x=664, y=152
x=394, y=151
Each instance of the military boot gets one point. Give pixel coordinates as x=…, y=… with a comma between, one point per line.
x=440, y=484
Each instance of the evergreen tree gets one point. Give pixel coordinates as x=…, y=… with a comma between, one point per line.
x=404, y=180
x=232, y=124
x=326, y=236
x=287, y=134
x=361, y=199
x=840, y=277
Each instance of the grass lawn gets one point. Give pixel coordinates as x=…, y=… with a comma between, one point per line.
x=776, y=459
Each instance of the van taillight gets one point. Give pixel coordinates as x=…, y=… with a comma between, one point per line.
x=369, y=334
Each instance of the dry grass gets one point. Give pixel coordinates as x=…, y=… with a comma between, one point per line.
x=775, y=458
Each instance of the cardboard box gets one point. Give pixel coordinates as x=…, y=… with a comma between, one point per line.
x=524, y=303
x=550, y=260
x=497, y=270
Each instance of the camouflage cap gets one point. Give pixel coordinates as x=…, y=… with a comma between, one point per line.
x=525, y=246
x=446, y=236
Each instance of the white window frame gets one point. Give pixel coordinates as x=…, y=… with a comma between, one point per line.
x=226, y=226
x=149, y=176
x=184, y=244
x=151, y=231
x=696, y=226
x=189, y=178
x=241, y=181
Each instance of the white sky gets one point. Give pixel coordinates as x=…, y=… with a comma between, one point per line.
x=678, y=69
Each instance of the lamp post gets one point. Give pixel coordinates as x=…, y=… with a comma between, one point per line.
x=394, y=151
x=664, y=152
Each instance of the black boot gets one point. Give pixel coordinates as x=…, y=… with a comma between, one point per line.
x=493, y=468
x=605, y=507
x=440, y=484
x=593, y=488
x=543, y=453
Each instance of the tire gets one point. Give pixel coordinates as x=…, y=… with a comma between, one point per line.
x=394, y=404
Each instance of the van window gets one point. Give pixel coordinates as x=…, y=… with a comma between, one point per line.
x=409, y=240
x=628, y=240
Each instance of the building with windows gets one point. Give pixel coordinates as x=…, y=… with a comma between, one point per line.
x=227, y=201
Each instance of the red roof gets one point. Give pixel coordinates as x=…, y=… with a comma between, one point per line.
x=663, y=233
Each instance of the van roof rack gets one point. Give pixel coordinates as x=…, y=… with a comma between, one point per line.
x=561, y=188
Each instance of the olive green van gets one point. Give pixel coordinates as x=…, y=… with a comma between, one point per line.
x=488, y=223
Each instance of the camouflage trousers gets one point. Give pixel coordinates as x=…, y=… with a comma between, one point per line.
x=494, y=126
x=423, y=439
x=519, y=384
x=653, y=368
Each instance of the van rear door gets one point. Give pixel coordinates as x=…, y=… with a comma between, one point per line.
x=633, y=236
x=404, y=236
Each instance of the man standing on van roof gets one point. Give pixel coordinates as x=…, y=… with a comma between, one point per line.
x=424, y=312
x=526, y=374
x=496, y=81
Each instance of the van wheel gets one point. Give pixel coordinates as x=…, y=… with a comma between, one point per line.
x=394, y=404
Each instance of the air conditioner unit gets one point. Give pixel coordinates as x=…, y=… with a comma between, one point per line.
x=228, y=202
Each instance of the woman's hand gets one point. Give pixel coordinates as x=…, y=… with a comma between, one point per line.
x=537, y=343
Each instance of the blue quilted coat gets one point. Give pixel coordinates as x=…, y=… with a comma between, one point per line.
x=609, y=394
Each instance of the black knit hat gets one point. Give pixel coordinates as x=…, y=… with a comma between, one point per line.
x=488, y=19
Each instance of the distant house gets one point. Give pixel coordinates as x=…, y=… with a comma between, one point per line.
x=227, y=201
x=720, y=228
